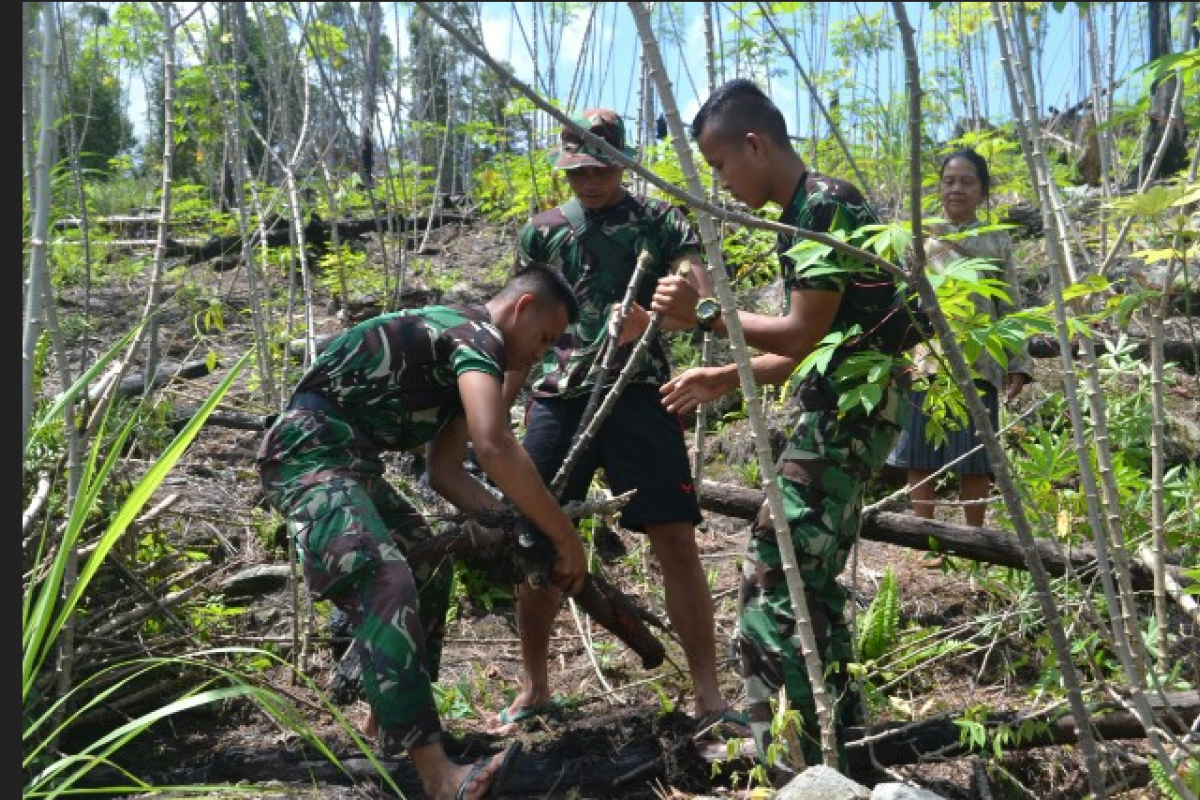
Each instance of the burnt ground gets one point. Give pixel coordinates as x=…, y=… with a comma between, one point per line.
x=627, y=733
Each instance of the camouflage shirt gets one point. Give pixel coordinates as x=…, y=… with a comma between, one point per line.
x=395, y=377
x=823, y=204
x=600, y=280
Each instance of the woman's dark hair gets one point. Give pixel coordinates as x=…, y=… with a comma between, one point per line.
x=977, y=161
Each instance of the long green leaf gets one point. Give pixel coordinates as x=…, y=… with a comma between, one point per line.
x=38, y=641
x=56, y=408
x=38, y=630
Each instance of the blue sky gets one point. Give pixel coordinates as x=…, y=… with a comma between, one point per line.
x=609, y=76
x=614, y=51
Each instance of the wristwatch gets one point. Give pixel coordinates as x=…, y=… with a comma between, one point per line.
x=708, y=311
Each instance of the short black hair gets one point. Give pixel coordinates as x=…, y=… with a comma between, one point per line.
x=738, y=107
x=546, y=284
x=975, y=160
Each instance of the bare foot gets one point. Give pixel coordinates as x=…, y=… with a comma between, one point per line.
x=523, y=706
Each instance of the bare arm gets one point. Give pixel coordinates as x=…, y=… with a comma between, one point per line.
x=447, y=477
x=699, y=385
x=688, y=268
x=513, y=381
x=794, y=335
x=787, y=340
x=692, y=270
x=509, y=467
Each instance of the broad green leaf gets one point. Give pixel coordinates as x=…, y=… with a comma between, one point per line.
x=1088, y=286
x=1155, y=255
x=1149, y=203
x=807, y=252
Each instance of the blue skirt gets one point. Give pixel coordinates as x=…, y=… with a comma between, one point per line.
x=914, y=451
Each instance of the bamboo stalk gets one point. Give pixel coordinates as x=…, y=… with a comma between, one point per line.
x=716, y=270
x=816, y=96
x=688, y=197
x=1124, y=626
x=591, y=420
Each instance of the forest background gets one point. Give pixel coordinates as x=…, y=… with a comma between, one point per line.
x=312, y=153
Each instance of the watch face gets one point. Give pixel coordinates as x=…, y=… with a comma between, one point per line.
x=707, y=310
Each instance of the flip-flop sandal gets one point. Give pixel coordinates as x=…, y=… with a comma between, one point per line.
x=727, y=724
x=509, y=755
x=507, y=718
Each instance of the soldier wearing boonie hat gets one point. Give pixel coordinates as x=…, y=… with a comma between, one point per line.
x=595, y=239
x=575, y=152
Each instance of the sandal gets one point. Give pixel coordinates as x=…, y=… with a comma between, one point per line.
x=723, y=725
x=498, y=778
x=508, y=717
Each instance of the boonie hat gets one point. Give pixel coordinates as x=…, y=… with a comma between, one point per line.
x=575, y=152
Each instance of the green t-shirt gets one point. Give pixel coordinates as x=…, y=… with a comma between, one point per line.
x=395, y=377
x=601, y=277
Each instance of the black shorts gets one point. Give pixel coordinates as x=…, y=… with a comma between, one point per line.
x=639, y=446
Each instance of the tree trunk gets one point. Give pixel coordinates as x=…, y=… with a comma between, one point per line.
x=1161, y=126
x=154, y=295
x=366, y=151
x=1005, y=482
x=39, y=197
x=804, y=639
x=1110, y=549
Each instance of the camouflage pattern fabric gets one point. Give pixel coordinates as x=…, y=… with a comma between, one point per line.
x=827, y=458
x=574, y=152
x=394, y=380
x=826, y=204
x=821, y=474
x=823, y=204
x=569, y=368
x=395, y=376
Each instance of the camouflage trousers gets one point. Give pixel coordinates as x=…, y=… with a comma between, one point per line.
x=821, y=473
x=352, y=529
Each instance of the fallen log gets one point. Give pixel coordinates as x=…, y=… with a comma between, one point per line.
x=978, y=544
x=135, y=384
x=1185, y=354
x=531, y=775
x=560, y=765
x=318, y=234
x=896, y=743
x=237, y=420
x=584, y=759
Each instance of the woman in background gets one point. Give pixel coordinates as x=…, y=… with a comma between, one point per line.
x=963, y=187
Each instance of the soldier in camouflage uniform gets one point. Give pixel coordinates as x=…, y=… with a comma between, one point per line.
x=828, y=455
x=426, y=376
x=595, y=239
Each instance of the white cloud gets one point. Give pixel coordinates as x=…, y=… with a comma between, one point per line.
x=504, y=42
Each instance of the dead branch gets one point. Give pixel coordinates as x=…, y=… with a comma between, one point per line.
x=978, y=544
x=906, y=743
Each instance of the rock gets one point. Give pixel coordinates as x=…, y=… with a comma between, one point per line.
x=823, y=783
x=1181, y=440
x=900, y=791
